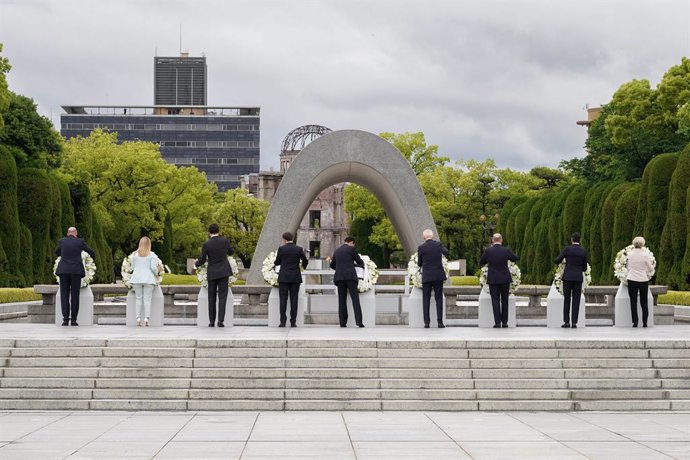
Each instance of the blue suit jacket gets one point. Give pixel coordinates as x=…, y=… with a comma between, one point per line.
x=497, y=257
x=69, y=250
x=575, y=262
x=430, y=258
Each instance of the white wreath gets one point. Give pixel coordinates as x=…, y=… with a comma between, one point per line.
x=371, y=275
x=127, y=269
x=620, y=263
x=415, y=271
x=515, y=276
x=202, y=275
x=558, y=277
x=89, y=268
x=268, y=269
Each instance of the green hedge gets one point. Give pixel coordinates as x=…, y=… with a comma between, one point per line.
x=26, y=242
x=9, y=218
x=674, y=236
x=529, y=243
x=522, y=213
x=34, y=187
x=573, y=211
x=8, y=295
x=624, y=220
x=675, y=298
x=660, y=173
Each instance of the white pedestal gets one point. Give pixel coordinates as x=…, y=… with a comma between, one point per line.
x=415, y=310
x=623, y=316
x=486, y=311
x=202, y=308
x=554, y=309
x=85, y=315
x=156, y=318
x=274, y=308
x=367, y=301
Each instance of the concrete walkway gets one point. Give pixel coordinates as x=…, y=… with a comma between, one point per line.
x=346, y=435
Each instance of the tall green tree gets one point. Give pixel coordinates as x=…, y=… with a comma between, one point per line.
x=4, y=89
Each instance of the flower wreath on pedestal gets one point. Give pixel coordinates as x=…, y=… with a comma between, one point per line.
x=371, y=275
x=515, y=276
x=89, y=268
x=127, y=269
x=558, y=277
x=268, y=270
x=202, y=275
x=415, y=271
x=620, y=263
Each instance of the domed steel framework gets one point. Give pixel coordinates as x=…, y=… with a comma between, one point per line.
x=300, y=137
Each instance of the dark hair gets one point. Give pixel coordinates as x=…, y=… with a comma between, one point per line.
x=287, y=236
x=575, y=237
x=213, y=229
x=349, y=239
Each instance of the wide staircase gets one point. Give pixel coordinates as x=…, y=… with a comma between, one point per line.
x=254, y=374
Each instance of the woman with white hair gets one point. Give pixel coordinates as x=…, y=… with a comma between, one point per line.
x=639, y=267
x=144, y=278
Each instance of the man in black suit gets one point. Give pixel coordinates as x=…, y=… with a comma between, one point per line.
x=216, y=250
x=70, y=270
x=344, y=260
x=288, y=258
x=430, y=259
x=496, y=257
x=575, y=258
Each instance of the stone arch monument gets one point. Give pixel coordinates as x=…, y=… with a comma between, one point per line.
x=346, y=156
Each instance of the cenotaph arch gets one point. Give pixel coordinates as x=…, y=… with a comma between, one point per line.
x=353, y=156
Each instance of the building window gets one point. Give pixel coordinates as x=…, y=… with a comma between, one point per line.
x=314, y=249
x=315, y=219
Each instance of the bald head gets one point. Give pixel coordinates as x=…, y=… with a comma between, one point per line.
x=497, y=238
x=72, y=231
x=427, y=234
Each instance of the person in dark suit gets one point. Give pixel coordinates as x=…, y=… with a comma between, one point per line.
x=216, y=250
x=430, y=259
x=345, y=258
x=496, y=257
x=575, y=265
x=288, y=258
x=70, y=270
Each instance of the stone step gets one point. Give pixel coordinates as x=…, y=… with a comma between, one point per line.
x=130, y=383
x=43, y=393
x=614, y=383
x=44, y=404
x=326, y=383
x=47, y=383
x=238, y=383
x=614, y=394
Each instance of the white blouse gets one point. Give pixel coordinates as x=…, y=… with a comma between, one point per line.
x=639, y=266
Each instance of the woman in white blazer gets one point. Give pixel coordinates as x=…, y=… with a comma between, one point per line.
x=639, y=269
x=144, y=278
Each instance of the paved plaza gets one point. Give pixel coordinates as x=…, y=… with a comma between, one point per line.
x=344, y=435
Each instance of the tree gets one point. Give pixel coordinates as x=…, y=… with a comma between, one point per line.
x=548, y=177
x=9, y=215
x=241, y=218
x=4, y=89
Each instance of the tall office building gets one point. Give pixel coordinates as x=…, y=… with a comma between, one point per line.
x=179, y=80
x=221, y=141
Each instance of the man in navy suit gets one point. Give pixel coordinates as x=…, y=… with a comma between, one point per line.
x=498, y=277
x=430, y=259
x=575, y=258
x=344, y=260
x=288, y=258
x=70, y=270
x=216, y=250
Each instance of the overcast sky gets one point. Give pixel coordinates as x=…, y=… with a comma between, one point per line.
x=482, y=79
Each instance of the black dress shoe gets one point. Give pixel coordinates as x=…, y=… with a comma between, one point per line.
x=566, y=325
x=293, y=324
x=211, y=325
x=504, y=325
x=343, y=325
x=281, y=325
x=360, y=325
x=426, y=326
x=634, y=324
x=644, y=325
x=65, y=323
x=497, y=326
x=441, y=325
x=220, y=324
x=74, y=323
x=574, y=326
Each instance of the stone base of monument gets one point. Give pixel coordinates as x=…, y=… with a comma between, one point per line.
x=85, y=315
x=156, y=319
x=415, y=310
x=623, y=313
x=274, y=308
x=202, y=309
x=326, y=303
x=486, y=311
x=554, y=309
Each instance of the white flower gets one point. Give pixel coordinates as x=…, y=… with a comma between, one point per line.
x=558, y=277
x=415, y=271
x=371, y=275
x=202, y=274
x=515, y=276
x=620, y=263
x=127, y=269
x=268, y=270
x=89, y=268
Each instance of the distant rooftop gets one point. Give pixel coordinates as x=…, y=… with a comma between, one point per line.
x=160, y=110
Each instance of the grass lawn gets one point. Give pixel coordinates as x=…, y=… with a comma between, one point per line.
x=169, y=278
x=8, y=295
x=675, y=298
x=464, y=281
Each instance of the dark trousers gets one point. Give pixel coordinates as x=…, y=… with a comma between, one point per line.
x=218, y=288
x=291, y=289
x=437, y=286
x=633, y=288
x=572, y=291
x=499, y=302
x=343, y=288
x=69, y=287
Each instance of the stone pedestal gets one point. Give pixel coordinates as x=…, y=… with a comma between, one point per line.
x=554, y=309
x=202, y=308
x=85, y=315
x=623, y=314
x=367, y=301
x=274, y=308
x=156, y=319
x=486, y=311
x=415, y=310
